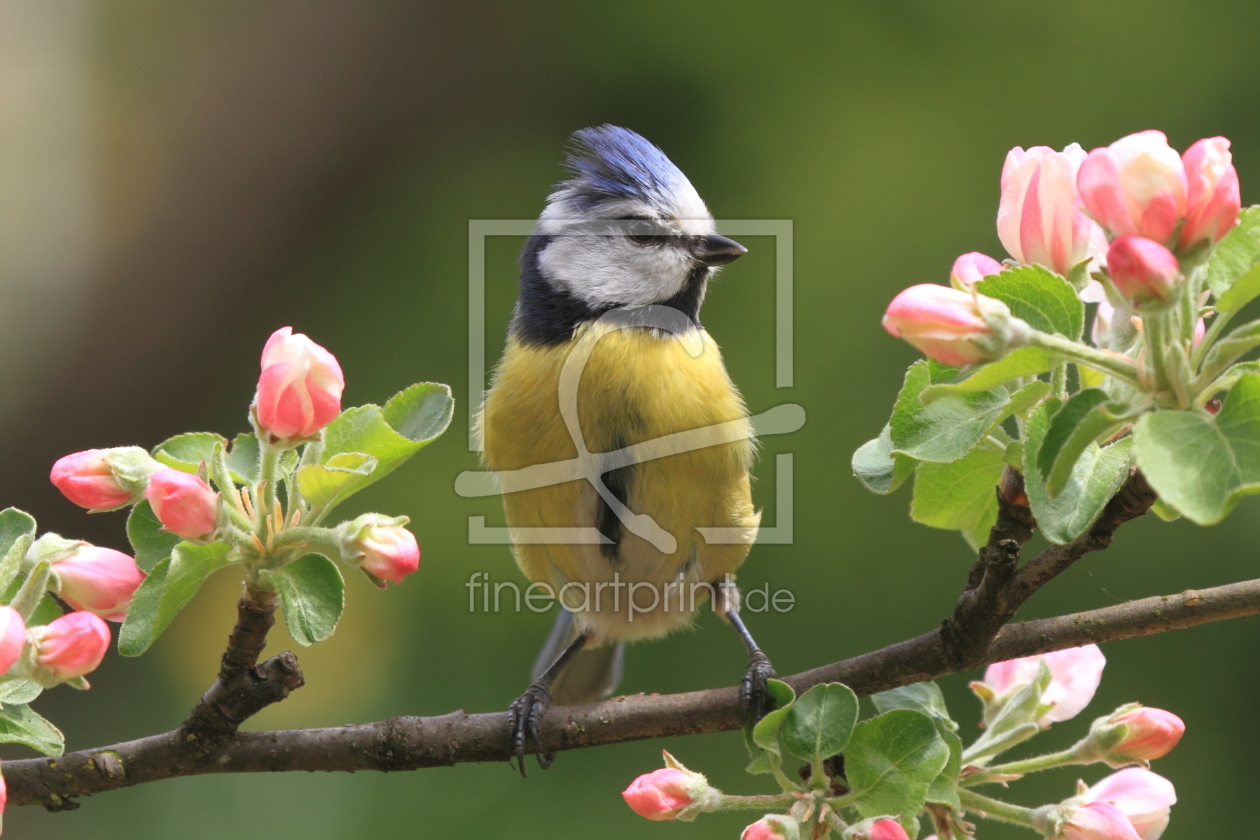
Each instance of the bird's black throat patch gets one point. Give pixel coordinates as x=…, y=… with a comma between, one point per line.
x=546, y=316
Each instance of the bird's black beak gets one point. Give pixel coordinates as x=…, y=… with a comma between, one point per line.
x=717, y=250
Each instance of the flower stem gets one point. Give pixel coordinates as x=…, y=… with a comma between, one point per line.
x=1111, y=364
x=1155, y=333
x=1024, y=767
x=268, y=478
x=996, y=809
x=1058, y=381
x=763, y=803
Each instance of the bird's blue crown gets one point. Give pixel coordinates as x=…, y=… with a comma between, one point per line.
x=611, y=163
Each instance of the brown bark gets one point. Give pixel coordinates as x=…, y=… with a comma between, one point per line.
x=409, y=743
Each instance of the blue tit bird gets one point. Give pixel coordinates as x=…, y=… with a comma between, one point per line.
x=606, y=362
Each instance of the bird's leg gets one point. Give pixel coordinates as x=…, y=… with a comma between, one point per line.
x=525, y=713
x=754, y=697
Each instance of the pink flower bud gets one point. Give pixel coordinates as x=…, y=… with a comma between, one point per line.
x=4, y=795
x=660, y=795
x=1074, y=677
x=1136, y=186
x=1149, y=734
x=1039, y=218
x=971, y=268
x=299, y=391
x=99, y=580
x=941, y=322
x=773, y=827
x=1212, y=194
x=1097, y=821
x=389, y=553
x=884, y=829
x=86, y=479
x=69, y=647
x=1133, y=804
x=185, y=504
x=12, y=639
x=380, y=546
x=1143, y=270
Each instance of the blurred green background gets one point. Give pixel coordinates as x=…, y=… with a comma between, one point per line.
x=177, y=180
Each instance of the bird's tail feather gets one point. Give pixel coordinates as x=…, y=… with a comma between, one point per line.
x=592, y=674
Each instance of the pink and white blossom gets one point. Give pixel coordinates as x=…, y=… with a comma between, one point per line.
x=1040, y=219
x=299, y=390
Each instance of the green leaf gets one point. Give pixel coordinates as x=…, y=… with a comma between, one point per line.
x=46, y=611
x=186, y=452
x=327, y=484
x=313, y=596
x=879, y=470
x=20, y=725
x=762, y=738
x=891, y=762
x=924, y=697
x=19, y=692
x=944, y=788
x=1073, y=428
x=1015, y=720
x=32, y=591
x=1023, y=400
x=951, y=426
x=17, y=532
x=149, y=540
x=1098, y=474
x=1164, y=511
x=960, y=496
x=171, y=584
x=819, y=723
x=1243, y=292
x=242, y=460
x=1200, y=465
x=1043, y=299
x=1230, y=377
x=1026, y=361
x=409, y=421
x=1235, y=254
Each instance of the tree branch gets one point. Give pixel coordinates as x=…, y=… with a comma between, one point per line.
x=408, y=743
x=242, y=689
x=996, y=588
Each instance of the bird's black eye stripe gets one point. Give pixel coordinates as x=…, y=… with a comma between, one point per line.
x=641, y=230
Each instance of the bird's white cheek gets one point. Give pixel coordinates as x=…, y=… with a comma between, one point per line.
x=599, y=273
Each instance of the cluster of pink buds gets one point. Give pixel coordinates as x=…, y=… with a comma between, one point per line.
x=1059, y=210
x=299, y=394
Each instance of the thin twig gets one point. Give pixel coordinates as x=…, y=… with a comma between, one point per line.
x=408, y=743
x=997, y=587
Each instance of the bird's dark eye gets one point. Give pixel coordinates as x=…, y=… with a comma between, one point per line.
x=642, y=231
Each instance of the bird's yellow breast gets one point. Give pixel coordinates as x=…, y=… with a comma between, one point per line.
x=633, y=387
